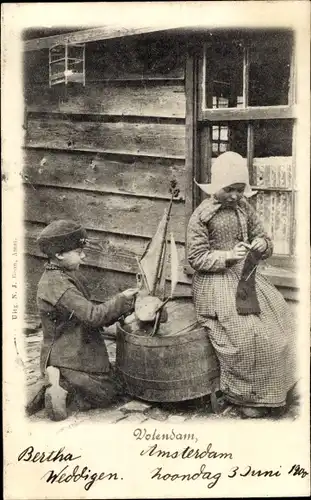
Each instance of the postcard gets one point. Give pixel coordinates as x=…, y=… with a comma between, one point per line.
x=156, y=249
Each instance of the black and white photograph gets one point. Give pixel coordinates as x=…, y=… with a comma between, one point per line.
x=156, y=237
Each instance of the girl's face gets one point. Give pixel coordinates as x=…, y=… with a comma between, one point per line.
x=71, y=260
x=230, y=195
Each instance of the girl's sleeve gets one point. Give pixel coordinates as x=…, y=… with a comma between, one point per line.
x=199, y=253
x=256, y=230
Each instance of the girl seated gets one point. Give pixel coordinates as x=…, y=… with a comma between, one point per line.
x=254, y=340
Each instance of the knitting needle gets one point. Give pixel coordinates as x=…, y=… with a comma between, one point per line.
x=251, y=273
x=250, y=250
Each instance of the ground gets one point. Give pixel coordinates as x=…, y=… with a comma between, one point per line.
x=129, y=409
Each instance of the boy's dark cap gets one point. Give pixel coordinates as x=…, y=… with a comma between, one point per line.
x=61, y=236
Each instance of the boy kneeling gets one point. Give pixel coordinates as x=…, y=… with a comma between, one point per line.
x=74, y=357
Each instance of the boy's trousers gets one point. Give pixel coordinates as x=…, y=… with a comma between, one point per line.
x=97, y=390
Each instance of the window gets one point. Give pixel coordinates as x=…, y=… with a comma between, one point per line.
x=244, y=101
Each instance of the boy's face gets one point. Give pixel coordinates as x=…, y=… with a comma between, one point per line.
x=71, y=260
x=230, y=195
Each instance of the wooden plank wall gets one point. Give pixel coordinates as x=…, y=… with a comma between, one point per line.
x=104, y=154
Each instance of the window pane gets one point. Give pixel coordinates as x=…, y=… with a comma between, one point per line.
x=273, y=168
x=229, y=136
x=273, y=138
x=273, y=171
x=224, y=75
x=215, y=132
x=269, y=72
x=275, y=211
x=224, y=133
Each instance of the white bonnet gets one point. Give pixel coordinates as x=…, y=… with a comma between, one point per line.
x=229, y=168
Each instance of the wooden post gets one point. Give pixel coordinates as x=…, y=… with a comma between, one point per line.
x=291, y=102
x=192, y=164
x=246, y=76
x=250, y=126
x=250, y=152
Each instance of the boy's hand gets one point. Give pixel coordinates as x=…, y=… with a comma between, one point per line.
x=130, y=319
x=238, y=252
x=130, y=292
x=259, y=244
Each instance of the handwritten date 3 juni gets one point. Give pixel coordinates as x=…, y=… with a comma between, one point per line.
x=205, y=471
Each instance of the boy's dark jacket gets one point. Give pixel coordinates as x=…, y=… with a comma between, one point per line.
x=71, y=323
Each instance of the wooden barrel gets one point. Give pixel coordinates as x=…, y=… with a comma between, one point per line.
x=176, y=365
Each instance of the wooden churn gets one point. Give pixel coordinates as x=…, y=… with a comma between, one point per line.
x=177, y=364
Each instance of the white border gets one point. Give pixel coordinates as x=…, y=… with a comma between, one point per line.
x=264, y=445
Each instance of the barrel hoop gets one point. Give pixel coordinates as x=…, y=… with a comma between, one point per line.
x=159, y=342
x=187, y=329
x=167, y=384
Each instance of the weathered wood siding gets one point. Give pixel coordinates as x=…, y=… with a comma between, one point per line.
x=104, y=154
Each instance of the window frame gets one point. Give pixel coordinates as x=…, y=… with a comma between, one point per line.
x=199, y=123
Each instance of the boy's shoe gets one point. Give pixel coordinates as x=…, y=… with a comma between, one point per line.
x=79, y=403
x=37, y=402
x=55, y=396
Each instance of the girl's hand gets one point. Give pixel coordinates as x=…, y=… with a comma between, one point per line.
x=130, y=292
x=259, y=244
x=238, y=252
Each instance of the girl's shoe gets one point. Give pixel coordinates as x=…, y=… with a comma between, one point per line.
x=278, y=411
x=252, y=412
x=293, y=395
x=55, y=396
